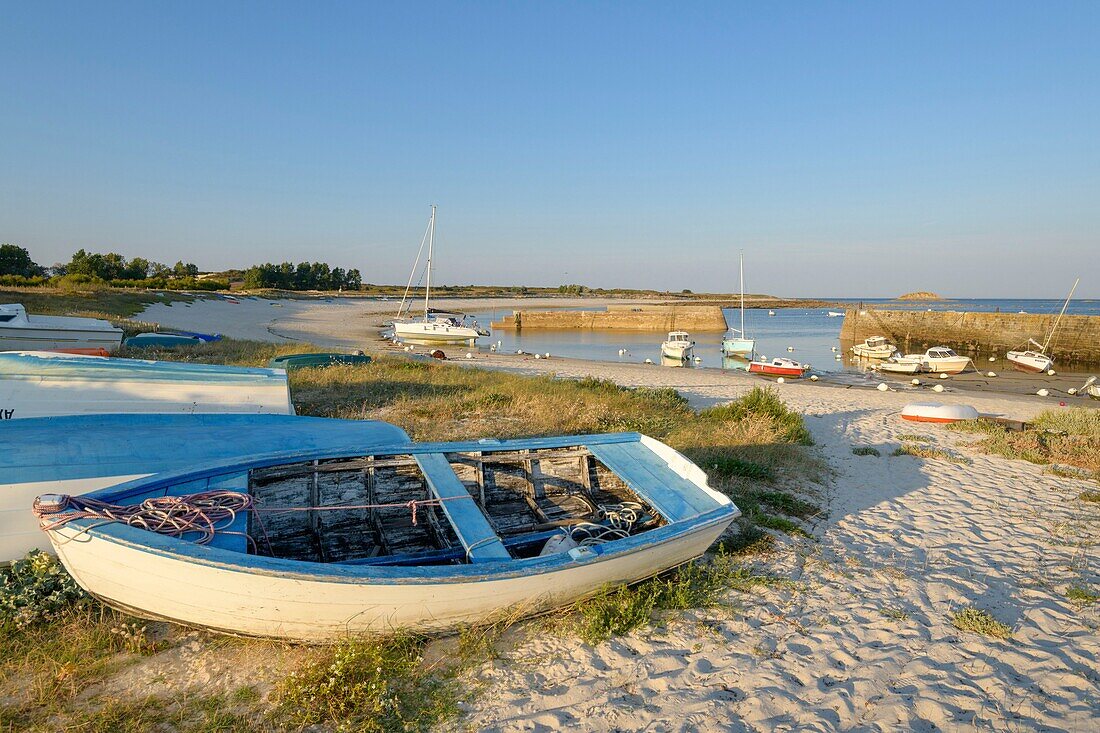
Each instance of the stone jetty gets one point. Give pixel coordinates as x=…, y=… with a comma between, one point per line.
x=627, y=317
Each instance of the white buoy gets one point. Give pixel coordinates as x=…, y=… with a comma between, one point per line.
x=781, y=380
x=622, y=352
x=1071, y=390
x=546, y=355
x=519, y=351
x=833, y=348
x=1043, y=392
x=813, y=377
x=838, y=357
x=943, y=376
x=538, y=356
x=882, y=387
x=991, y=374
x=915, y=383
x=938, y=388
x=698, y=360
x=993, y=358
x=790, y=348
x=469, y=355
x=1050, y=372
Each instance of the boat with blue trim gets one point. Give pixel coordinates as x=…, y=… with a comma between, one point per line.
x=47, y=384
x=319, y=545
x=78, y=454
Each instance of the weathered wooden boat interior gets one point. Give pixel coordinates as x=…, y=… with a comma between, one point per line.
x=527, y=496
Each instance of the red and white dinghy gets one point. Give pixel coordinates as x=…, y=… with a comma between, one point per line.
x=939, y=413
x=778, y=367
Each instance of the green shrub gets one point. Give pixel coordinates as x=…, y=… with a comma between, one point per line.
x=36, y=589
x=78, y=282
x=21, y=281
x=980, y=622
x=763, y=402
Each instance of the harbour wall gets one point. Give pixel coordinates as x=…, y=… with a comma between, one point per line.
x=620, y=318
x=978, y=335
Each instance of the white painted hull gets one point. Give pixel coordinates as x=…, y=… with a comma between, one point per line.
x=436, y=333
x=320, y=608
x=1093, y=392
x=869, y=352
x=1030, y=363
x=44, y=339
x=680, y=353
x=899, y=367
x=946, y=366
x=19, y=532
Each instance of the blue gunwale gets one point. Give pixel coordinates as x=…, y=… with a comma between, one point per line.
x=431, y=458
x=19, y=365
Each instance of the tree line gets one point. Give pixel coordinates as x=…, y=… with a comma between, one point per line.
x=18, y=268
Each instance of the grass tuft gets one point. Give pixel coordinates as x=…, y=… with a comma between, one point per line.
x=1064, y=436
x=865, y=450
x=980, y=622
x=1092, y=496
x=1082, y=595
x=924, y=451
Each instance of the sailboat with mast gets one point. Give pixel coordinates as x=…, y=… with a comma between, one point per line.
x=1034, y=361
x=437, y=327
x=738, y=344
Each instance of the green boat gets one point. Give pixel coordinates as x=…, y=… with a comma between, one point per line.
x=148, y=340
x=317, y=360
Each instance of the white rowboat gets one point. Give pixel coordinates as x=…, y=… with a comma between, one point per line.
x=22, y=332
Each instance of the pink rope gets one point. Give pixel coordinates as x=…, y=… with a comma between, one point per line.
x=205, y=513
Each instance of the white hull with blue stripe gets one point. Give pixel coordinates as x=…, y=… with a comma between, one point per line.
x=76, y=455
x=487, y=511
x=45, y=384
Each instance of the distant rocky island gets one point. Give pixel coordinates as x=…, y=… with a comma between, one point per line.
x=920, y=295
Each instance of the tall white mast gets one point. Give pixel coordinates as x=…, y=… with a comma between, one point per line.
x=742, y=295
x=1059, y=318
x=431, y=244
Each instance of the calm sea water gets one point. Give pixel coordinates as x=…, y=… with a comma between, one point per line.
x=811, y=333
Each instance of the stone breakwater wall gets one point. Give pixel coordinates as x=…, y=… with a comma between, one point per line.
x=620, y=318
x=978, y=335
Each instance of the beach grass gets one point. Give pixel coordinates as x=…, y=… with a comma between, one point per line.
x=980, y=621
x=929, y=452
x=1067, y=437
x=107, y=303
x=1082, y=595
x=865, y=450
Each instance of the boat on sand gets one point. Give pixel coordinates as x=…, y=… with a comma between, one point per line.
x=74, y=455
x=678, y=346
x=1036, y=360
x=778, y=367
x=22, y=332
x=942, y=360
x=320, y=545
x=47, y=384
x=875, y=347
x=938, y=413
x=900, y=365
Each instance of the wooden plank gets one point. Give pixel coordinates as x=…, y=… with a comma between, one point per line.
x=650, y=477
x=474, y=532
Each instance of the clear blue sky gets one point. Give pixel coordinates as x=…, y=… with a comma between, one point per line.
x=851, y=149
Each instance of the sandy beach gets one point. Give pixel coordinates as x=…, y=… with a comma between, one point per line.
x=861, y=637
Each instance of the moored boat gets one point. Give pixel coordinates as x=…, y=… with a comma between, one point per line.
x=778, y=367
x=22, y=332
x=44, y=384
x=900, y=365
x=1093, y=391
x=835, y=314
x=936, y=412
x=875, y=347
x=1034, y=362
x=678, y=346
x=321, y=545
x=941, y=360
x=738, y=343
x=74, y=455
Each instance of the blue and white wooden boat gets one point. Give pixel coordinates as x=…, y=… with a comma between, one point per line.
x=74, y=455
x=46, y=384
x=329, y=547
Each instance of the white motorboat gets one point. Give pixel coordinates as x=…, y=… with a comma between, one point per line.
x=942, y=360
x=738, y=344
x=1037, y=361
x=876, y=347
x=436, y=327
x=835, y=314
x=937, y=412
x=678, y=346
x=900, y=365
x=22, y=332
x=47, y=384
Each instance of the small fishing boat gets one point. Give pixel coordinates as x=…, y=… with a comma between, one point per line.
x=437, y=327
x=778, y=367
x=738, y=343
x=45, y=384
x=942, y=360
x=317, y=360
x=835, y=314
x=160, y=340
x=1093, y=391
x=876, y=347
x=771, y=313
x=74, y=455
x=1036, y=360
x=22, y=332
x=900, y=365
x=938, y=413
x=320, y=545
x=678, y=346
